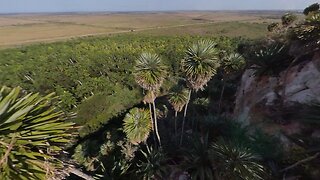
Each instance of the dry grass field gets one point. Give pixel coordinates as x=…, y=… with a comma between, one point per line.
x=29, y=28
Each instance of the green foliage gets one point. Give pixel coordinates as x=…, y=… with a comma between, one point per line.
x=106, y=157
x=311, y=9
x=197, y=160
x=86, y=154
x=178, y=98
x=79, y=69
x=149, y=71
x=137, y=125
x=200, y=64
x=273, y=27
x=288, y=19
x=231, y=63
x=269, y=60
x=33, y=131
x=97, y=110
x=268, y=147
x=235, y=161
x=153, y=164
x=308, y=32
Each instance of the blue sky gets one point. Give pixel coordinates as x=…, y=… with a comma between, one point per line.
x=12, y=6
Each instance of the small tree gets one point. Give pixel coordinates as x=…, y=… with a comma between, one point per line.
x=199, y=65
x=230, y=63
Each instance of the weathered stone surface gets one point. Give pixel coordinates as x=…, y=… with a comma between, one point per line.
x=301, y=82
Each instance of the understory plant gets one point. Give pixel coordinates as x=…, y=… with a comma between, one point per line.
x=33, y=132
x=269, y=60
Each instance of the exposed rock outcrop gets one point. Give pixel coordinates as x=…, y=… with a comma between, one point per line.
x=258, y=98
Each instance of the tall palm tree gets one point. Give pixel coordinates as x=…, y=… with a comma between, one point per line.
x=150, y=73
x=137, y=125
x=230, y=63
x=32, y=132
x=199, y=65
x=178, y=99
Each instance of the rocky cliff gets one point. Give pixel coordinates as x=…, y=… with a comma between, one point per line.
x=259, y=99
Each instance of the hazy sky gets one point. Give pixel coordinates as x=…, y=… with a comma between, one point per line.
x=11, y=6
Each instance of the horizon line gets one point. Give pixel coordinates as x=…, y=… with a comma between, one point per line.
x=146, y=11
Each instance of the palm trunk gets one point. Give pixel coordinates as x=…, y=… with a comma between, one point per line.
x=184, y=116
x=175, y=122
x=221, y=96
x=154, y=134
x=156, y=122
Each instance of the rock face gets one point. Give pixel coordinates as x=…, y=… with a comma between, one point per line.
x=301, y=82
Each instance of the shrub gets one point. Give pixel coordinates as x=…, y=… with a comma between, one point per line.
x=197, y=161
x=311, y=9
x=153, y=164
x=235, y=161
x=270, y=60
x=288, y=19
x=308, y=32
x=273, y=27
x=97, y=110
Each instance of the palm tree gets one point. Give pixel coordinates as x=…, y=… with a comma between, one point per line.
x=153, y=164
x=197, y=160
x=137, y=125
x=32, y=132
x=178, y=99
x=199, y=65
x=150, y=73
x=235, y=161
x=230, y=63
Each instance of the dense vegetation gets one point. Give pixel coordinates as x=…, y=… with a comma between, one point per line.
x=97, y=70
x=153, y=107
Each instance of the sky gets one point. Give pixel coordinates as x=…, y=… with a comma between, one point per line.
x=18, y=6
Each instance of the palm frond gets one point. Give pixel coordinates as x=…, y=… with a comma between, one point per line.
x=270, y=60
x=200, y=64
x=236, y=161
x=153, y=164
x=32, y=131
x=198, y=162
x=137, y=125
x=149, y=71
x=232, y=62
x=178, y=98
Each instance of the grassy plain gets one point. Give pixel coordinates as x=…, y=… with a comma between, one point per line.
x=30, y=28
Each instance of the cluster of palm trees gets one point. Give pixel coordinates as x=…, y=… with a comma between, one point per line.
x=198, y=67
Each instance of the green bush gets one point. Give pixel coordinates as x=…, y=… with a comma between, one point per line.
x=269, y=60
x=97, y=110
x=308, y=32
x=311, y=9
x=288, y=19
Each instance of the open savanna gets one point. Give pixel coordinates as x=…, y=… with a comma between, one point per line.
x=30, y=28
